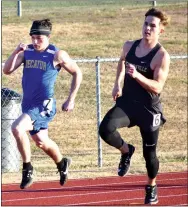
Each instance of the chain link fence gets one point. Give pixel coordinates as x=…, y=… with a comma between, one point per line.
x=32, y=7
x=11, y=110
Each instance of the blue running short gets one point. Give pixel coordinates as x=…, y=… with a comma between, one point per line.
x=41, y=114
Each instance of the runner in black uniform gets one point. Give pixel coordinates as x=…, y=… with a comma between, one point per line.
x=144, y=64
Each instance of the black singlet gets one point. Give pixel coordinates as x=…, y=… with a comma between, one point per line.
x=132, y=90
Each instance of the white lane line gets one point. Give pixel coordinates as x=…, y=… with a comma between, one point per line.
x=128, y=199
x=85, y=194
x=86, y=186
x=102, y=178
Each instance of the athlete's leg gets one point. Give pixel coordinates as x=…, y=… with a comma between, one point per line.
x=150, y=139
x=114, y=119
x=43, y=141
x=19, y=128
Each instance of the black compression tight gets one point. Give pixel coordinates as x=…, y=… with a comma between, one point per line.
x=149, y=152
x=117, y=118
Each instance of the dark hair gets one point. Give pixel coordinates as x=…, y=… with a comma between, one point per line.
x=159, y=14
x=44, y=22
x=43, y=27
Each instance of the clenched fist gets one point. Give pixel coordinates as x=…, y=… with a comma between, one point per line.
x=21, y=47
x=131, y=70
x=116, y=92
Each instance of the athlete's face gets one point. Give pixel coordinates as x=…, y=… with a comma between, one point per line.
x=40, y=42
x=152, y=28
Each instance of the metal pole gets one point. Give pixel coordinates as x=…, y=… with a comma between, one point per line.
x=154, y=3
x=97, y=66
x=19, y=8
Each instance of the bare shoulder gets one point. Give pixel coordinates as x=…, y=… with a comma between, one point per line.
x=163, y=54
x=61, y=56
x=61, y=53
x=161, y=60
x=127, y=46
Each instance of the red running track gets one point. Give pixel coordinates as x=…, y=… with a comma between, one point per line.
x=108, y=191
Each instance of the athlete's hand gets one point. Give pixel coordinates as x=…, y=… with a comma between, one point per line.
x=116, y=92
x=68, y=105
x=131, y=70
x=21, y=47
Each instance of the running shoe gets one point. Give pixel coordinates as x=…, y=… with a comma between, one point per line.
x=63, y=170
x=124, y=164
x=27, y=178
x=151, y=194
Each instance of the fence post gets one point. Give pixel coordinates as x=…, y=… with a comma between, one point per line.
x=19, y=11
x=97, y=67
x=154, y=3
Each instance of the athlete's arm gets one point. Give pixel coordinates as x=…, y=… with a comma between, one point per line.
x=120, y=73
x=15, y=59
x=71, y=67
x=160, y=66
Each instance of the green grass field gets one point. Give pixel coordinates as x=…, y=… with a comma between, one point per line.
x=99, y=28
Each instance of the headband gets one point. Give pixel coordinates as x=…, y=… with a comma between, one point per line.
x=39, y=30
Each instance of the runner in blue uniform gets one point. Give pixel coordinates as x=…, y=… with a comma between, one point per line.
x=144, y=65
x=42, y=62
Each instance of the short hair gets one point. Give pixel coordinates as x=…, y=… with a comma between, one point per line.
x=41, y=27
x=159, y=14
x=44, y=22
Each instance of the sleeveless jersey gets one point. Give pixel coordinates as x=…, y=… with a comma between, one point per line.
x=39, y=74
x=132, y=90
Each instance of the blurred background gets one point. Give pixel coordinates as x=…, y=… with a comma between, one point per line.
x=87, y=29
